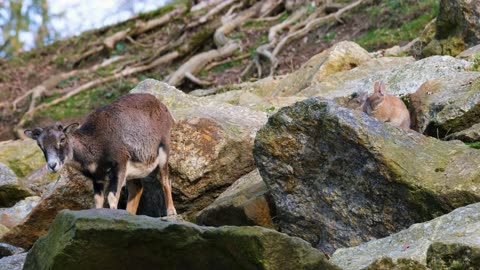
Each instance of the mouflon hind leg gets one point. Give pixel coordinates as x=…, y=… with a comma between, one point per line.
x=135, y=190
x=165, y=180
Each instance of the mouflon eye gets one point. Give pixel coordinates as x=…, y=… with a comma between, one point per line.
x=62, y=141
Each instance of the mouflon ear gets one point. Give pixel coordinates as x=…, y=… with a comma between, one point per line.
x=71, y=128
x=33, y=133
x=382, y=89
x=58, y=126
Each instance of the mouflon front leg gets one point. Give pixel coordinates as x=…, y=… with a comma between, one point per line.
x=117, y=179
x=98, y=195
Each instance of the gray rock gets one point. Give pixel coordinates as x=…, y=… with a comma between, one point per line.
x=12, y=216
x=361, y=78
x=471, y=134
x=71, y=191
x=470, y=54
x=401, y=76
x=244, y=203
x=11, y=190
x=7, y=176
x=456, y=234
x=9, y=250
x=447, y=104
x=108, y=239
x=14, y=262
x=339, y=177
x=342, y=56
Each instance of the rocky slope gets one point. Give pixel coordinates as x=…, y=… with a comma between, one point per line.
x=284, y=153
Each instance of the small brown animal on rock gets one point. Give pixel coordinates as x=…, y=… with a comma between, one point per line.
x=387, y=108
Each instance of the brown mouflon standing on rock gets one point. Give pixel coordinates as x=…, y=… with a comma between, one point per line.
x=118, y=144
x=387, y=108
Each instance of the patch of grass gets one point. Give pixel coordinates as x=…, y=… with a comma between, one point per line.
x=237, y=35
x=120, y=48
x=255, y=24
x=225, y=66
x=328, y=37
x=87, y=101
x=261, y=39
x=475, y=145
x=68, y=82
x=393, y=11
x=284, y=17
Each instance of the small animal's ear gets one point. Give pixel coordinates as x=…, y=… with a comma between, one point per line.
x=33, y=133
x=71, y=128
x=376, y=87
x=382, y=89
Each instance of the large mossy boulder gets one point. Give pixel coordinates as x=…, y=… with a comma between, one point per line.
x=457, y=27
x=211, y=145
x=114, y=239
x=71, y=191
x=447, y=104
x=451, y=241
x=339, y=177
x=245, y=203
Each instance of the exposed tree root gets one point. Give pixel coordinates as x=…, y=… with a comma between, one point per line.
x=313, y=24
x=299, y=30
x=268, y=19
x=205, y=4
x=217, y=9
x=198, y=81
x=197, y=62
x=214, y=64
x=226, y=47
x=297, y=15
x=77, y=58
x=41, y=88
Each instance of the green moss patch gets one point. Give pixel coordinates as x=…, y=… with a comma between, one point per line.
x=389, y=14
x=86, y=101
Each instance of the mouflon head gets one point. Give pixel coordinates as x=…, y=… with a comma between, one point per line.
x=54, y=142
